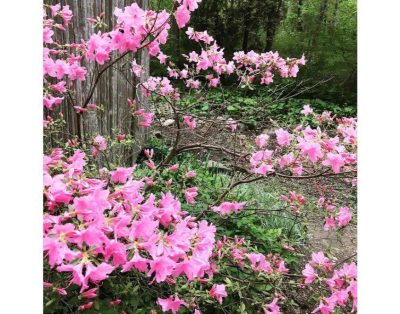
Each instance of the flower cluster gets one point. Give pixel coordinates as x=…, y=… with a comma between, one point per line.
x=102, y=223
x=336, y=217
x=93, y=227
x=309, y=147
x=239, y=252
x=296, y=201
x=341, y=283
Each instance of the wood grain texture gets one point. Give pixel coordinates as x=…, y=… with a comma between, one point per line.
x=114, y=88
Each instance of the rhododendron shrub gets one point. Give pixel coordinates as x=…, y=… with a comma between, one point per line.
x=153, y=235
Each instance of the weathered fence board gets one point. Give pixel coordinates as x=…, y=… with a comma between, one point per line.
x=115, y=86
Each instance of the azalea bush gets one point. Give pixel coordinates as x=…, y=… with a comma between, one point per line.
x=160, y=235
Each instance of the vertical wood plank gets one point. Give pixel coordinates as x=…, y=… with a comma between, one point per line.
x=115, y=86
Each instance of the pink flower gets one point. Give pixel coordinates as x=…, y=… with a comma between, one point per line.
x=173, y=303
x=66, y=14
x=227, y=207
x=59, y=87
x=218, y=292
x=61, y=291
x=286, y=160
x=190, y=195
x=288, y=248
x=190, y=174
x=99, y=273
x=282, y=268
x=54, y=9
x=115, y=302
x=86, y=306
x=121, y=175
x=76, y=72
x=162, y=267
x=47, y=35
x=336, y=161
x=261, y=162
x=258, y=262
x=326, y=307
x=262, y=140
x=90, y=294
x=306, y=110
x=344, y=216
x=214, y=81
x=329, y=224
x=319, y=259
x=149, y=153
x=173, y=168
x=138, y=262
x=150, y=164
x=311, y=149
x=309, y=274
x=121, y=137
x=143, y=228
x=189, y=121
x=162, y=57
x=136, y=68
x=147, y=119
x=283, y=137
x=100, y=143
x=191, y=4
x=272, y=308
x=182, y=16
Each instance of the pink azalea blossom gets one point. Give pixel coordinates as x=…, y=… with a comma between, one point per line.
x=173, y=303
x=136, y=68
x=319, y=259
x=86, y=306
x=66, y=14
x=309, y=274
x=59, y=87
x=182, y=16
x=227, y=207
x=190, y=174
x=55, y=9
x=261, y=162
x=173, y=168
x=262, y=140
x=90, y=294
x=218, y=292
x=162, y=267
x=336, y=161
x=190, y=195
x=311, y=149
x=259, y=263
x=272, y=308
x=121, y=175
x=100, y=142
x=47, y=35
x=189, y=121
x=147, y=119
x=283, y=137
x=162, y=58
x=307, y=110
x=329, y=224
x=344, y=216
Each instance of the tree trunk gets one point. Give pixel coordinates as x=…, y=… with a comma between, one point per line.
x=270, y=35
x=299, y=13
x=321, y=20
x=114, y=88
x=335, y=14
